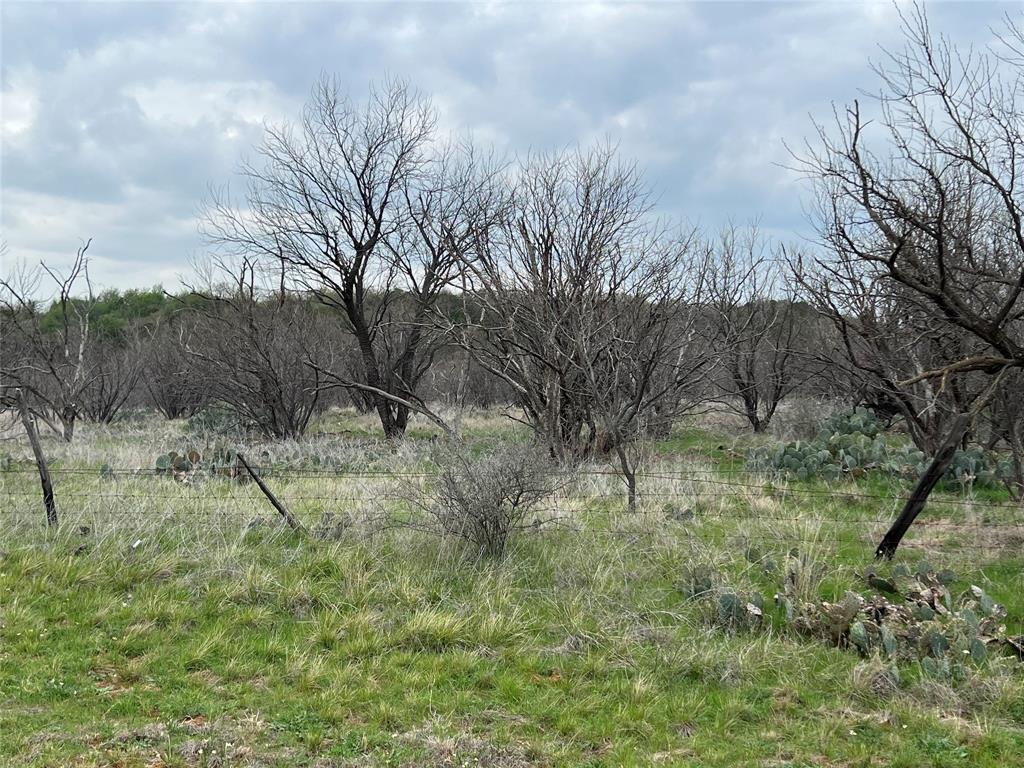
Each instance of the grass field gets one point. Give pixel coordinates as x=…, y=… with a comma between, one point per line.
x=180, y=624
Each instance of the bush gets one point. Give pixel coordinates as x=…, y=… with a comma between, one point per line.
x=485, y=500
x=218, y=420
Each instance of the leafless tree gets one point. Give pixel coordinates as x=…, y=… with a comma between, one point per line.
x=47, y=338
x=765, y=344
x=884, y=340
x=251, y=348
x=369, y=216
x=1004, y=420
x=116, y=366
x=170, y=375
x=937, y=209
x=583, y=306
x=638, y=350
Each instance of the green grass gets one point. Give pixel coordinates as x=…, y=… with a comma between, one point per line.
x=213, y=644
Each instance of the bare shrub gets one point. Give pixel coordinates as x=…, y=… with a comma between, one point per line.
x=485, y=500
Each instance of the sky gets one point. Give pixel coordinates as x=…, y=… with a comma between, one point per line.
x=117, y=119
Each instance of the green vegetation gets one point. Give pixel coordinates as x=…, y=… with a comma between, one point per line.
x=114, y=312
x=172, y=620
x=856, y=443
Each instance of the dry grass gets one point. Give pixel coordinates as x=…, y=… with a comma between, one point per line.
x=162, y=619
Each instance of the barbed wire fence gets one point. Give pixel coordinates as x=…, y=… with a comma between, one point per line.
x=721, y=501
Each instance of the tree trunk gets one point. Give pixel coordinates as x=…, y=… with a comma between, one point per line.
x=750, y=404
x=919, y=496
x=391, y=427
x=67, y=423
x=628, y=475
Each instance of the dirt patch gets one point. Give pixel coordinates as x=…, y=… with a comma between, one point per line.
x=939, y=536
x=461, y=750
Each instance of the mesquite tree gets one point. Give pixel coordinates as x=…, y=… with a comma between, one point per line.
x=116, y=366
x=251, y=349
x=584, y=306
x=884, y=341
x=637, y=347
x=170, y=375
x=368, y=214
x=927, y=198
x=47, y=338
x=765, y=342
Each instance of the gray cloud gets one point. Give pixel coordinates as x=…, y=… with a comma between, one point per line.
x=117, y=117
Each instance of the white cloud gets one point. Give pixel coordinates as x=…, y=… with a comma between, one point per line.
x=48, y=228
x=188, y=104
x=18, y=107
x=115, y=118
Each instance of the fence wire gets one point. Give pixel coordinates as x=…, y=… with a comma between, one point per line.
x=723, y=502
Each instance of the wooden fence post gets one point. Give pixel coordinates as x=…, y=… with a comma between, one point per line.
x=294, y=524
x=37, y=449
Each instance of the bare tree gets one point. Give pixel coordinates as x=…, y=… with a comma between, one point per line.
x=251, y=348
x=638, y=349
x=583, y=306
x=169, y=375
x=116, y=366
x=1005, y=429
x=371, y=218
x=764, y=342
x=941, y=213
x=885, y=340
x=47, y=338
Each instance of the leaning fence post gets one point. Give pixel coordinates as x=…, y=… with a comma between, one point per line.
x=294, y=524
x=37, y=449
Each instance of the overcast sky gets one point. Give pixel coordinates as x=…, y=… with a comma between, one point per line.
x=117, y=117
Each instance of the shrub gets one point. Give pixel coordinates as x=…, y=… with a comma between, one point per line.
x=485, y=500
x=218, y=420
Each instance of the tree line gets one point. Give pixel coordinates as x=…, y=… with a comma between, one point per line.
x=369, y=257
x=275, y=357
